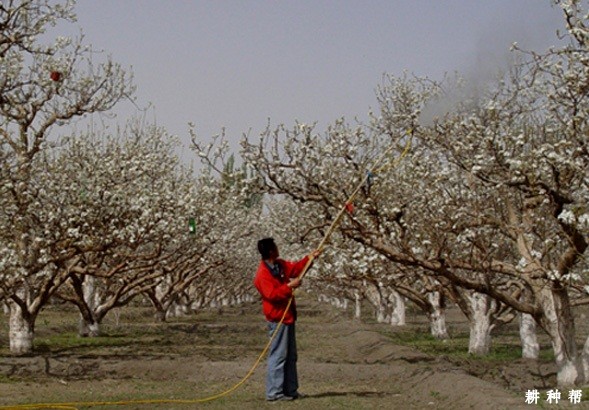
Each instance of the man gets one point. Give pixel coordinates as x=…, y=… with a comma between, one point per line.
x=275, y=280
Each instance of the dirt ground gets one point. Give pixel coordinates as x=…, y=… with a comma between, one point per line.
x=343, y=364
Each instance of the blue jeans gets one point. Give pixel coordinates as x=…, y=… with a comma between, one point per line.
x=282, y=379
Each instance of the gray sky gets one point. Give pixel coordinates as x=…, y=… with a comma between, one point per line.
x=235, y=64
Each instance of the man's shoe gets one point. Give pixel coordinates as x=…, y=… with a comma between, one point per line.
x=280, y=398
x=297, y=396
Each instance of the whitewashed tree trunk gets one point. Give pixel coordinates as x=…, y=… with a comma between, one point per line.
x=90, y=326
x=89, y=329
x=5, y=308
x=381, y=312
x=529, y=340
x=437, y=316
x=374, y=296
x=185, y=309
x=196, y=305
x=358, y=305
x=169, y=311
x=480, y=324
x=160, y=290
x=559, y=323
x=585, y=359
x=179, y=309
x=160, y=316
x=174, y=309
x=21, y=330
x=398, y=313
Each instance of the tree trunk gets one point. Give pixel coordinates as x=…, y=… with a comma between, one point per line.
x=381, y=312
x=559, y=323
x=585, y=359
x=398, y=313
x=358, y=305
x=197, y=305
x=89, y=326
x=160, y=315
x=375, y=298
x=437, y=316
x=178, y=310
x=22, y=330
x=160, y=308
x=527, y=332
x=479, y=342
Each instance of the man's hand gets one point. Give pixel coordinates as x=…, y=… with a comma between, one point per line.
x=295, y=283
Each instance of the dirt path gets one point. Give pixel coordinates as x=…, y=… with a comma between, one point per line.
x=342, y=364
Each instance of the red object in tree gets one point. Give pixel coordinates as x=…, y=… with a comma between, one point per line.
x=350, y=208
x=55, y=75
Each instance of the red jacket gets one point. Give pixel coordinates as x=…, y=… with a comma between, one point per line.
x=275, y=291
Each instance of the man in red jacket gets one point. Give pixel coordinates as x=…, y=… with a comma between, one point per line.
x=275, y=280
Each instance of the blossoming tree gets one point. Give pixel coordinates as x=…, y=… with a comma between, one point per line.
x=41, y=86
